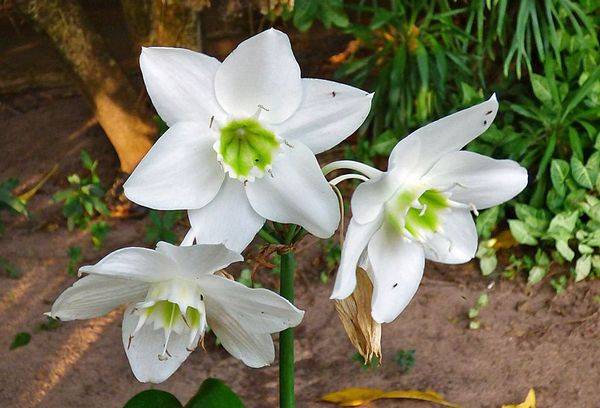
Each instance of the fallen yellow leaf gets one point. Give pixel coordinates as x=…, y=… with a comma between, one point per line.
x=354, y=397
x=528, y=403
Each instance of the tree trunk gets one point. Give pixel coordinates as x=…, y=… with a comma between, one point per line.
x=167, y=23
x=116, y=106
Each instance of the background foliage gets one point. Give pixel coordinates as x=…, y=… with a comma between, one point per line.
x=427, y=59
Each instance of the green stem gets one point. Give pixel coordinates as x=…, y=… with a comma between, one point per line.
x=267, y=237
x=286, y=337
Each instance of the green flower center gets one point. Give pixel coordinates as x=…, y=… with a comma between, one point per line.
x=415, y=212
x=187, y=316
x=246, y=149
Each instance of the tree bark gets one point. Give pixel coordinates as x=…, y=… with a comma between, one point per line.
x=167, y=23
x=119, y=111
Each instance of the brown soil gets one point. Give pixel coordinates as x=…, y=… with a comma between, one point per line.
x=529, y=338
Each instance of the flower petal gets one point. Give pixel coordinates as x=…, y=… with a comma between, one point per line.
x=93, y=296
x=356, y=240
x=396, y=271
x=180, y=172
x=446, y=135
x=475, y=179
x=228, y=218
x=256, y=310
x=139, y=264
x=329, y=113
x=261, y=71
x=298, y=193
x=457, y=243
x=143, y=349
x=369, y=197
x=254, y=349
x=201, y=259
x=181, y=84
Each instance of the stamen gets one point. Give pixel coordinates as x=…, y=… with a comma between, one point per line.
x=344, y=177
x=258, y=111
x=473, y=209
x=367, y=170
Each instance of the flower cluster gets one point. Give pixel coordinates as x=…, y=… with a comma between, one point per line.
x=240, y=150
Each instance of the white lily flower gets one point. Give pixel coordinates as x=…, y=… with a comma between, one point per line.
x=420, y=207
x=171, y=295
x=242, y=140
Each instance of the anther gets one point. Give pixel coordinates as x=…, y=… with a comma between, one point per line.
x=473, y=209
x=129, y=342
x=212, y=118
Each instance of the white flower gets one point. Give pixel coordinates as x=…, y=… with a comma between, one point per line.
x=171, y=295
x=420, y=208
x=242, y=140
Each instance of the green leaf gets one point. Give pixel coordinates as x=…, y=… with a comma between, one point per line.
x=486, y=222
x=563, y=248
x=535, y=218
x=583, y=267
x=20, y=340
x=153, y=399
x=563, y=225
x=521, y=232
x=581, y=173
x=559, y=171
x=213, y=393
x=536, y=274
x=488, y=264
x=541, y=88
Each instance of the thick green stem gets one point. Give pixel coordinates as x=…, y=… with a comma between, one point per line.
x=286, y=337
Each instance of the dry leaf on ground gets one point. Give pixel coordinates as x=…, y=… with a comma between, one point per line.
x=528, y=403
x=354, y=397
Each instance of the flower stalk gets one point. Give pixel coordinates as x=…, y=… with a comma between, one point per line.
x=286, y=337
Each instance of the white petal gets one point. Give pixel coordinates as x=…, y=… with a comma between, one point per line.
x=256, y=310
x=397, y=269
x=298, y=193
x=261, y=71
x=201, y=259
x=446, y=135
x=180, y=172
x=356, y=240
x=139, y=264
x=457, y=243
x=147, y=344
x=93, y=296
x=254, y=349
x=181, y=84
x=228, y=218
x=369, y=197
x=475, y=179
x=329, y=113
